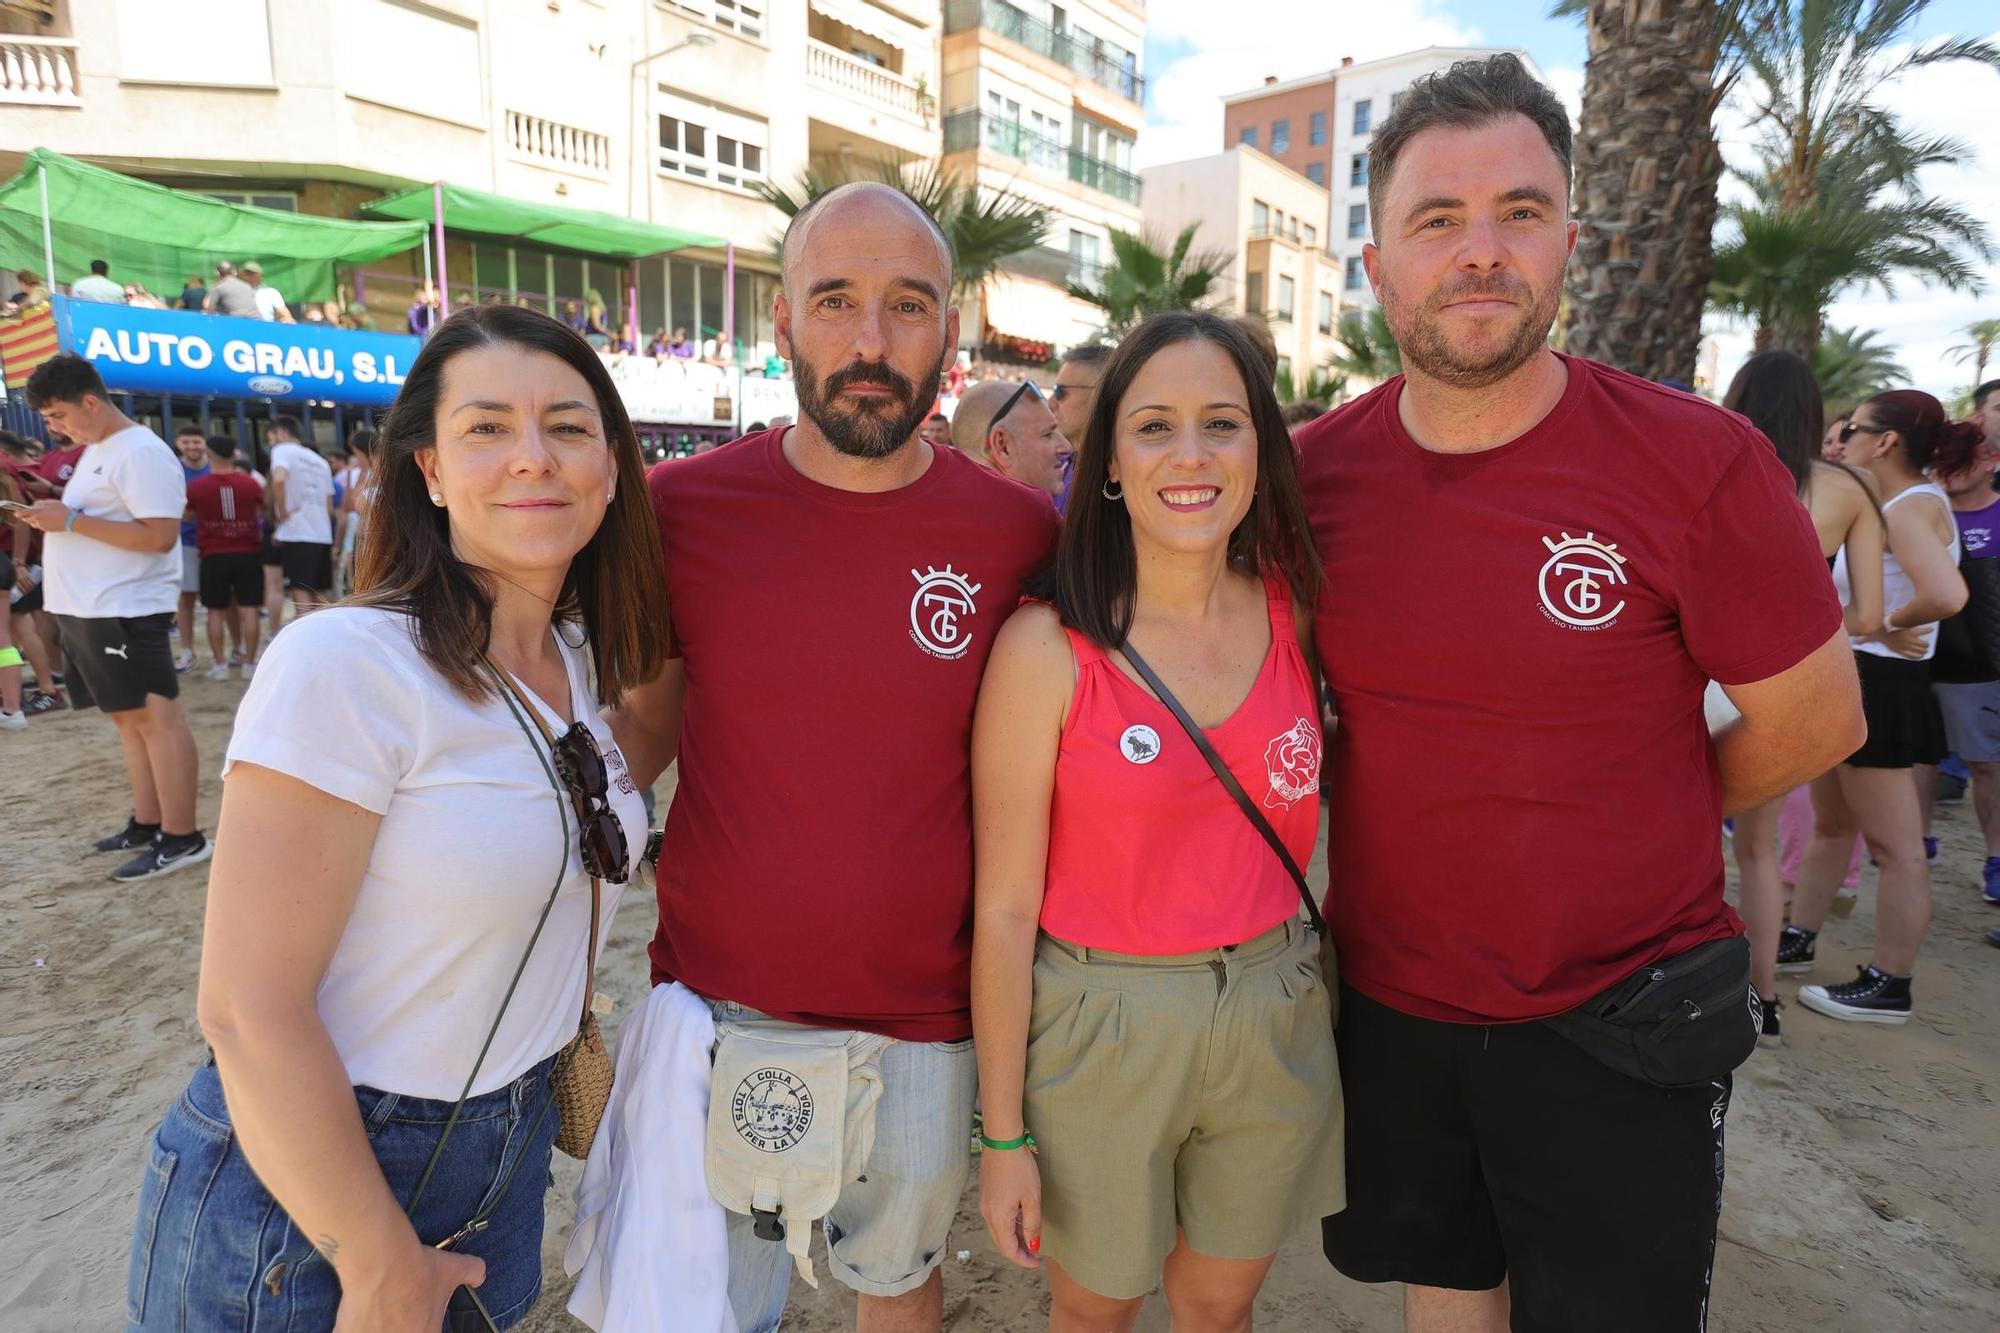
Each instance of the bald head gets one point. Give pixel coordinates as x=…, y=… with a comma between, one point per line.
x=974, y=416
x=870, y=204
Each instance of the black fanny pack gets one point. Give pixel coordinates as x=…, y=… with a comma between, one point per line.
x=1681, y=1022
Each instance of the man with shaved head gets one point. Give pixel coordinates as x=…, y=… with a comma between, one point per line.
x=1014, y=432
x=815, y=882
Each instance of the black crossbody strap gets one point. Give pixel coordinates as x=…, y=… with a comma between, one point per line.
x=1229, y=783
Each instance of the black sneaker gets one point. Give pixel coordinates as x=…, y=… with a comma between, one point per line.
x=38, y=703
x=1796, y=948
x=134, y=836
x=165, y=856
x=1769, y=1034
x=1872, y=997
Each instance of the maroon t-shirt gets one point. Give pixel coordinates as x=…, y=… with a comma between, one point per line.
x=1525, y=802
x=56, y=466
x=818, y=854
x=226, y=507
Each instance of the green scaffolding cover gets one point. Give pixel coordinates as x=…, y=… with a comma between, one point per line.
x=158, y=237
x=603, y=234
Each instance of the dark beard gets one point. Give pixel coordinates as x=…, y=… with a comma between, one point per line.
x=1425, y=347
x=869, y=432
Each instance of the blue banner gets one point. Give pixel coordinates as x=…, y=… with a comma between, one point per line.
x=179, y=352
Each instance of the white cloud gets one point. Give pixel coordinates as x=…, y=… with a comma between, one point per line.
x=1238, y=44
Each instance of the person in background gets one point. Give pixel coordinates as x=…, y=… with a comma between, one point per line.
x=1302, y=413
x=302, y=507
x=596, y=320
x=98, y=286
x=28, y=624
x=194, y=293
x=33, y=292
x=110, y=574
x=1076, y=388
x=1897, y=438
x=422, y=316
x=1776, y=393
x=358, y=491
x=936, y=428
x=680, y=346
x=270, y=301
x=231, y=295
x=658, y=345
x=137, y=295
x=1832, y=446
x=224, y=505
x=774, y=366
x=192, y=446
x=356, y=316
x=1010, y=428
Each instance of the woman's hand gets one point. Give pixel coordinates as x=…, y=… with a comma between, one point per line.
x=408, y=1295
x=1911, y=643
x=1010, y=1199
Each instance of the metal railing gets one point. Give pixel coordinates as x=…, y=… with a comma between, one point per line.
x=970, y=129
x=997, y=16
x=863, y=81
x=565, y=147
x=39, y=71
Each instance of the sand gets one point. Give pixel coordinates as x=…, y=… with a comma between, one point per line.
x=1864, y=1162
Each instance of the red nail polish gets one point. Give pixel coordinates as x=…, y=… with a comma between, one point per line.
x=1034, y=1245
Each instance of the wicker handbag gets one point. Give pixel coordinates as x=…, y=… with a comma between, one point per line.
x=583, y=1074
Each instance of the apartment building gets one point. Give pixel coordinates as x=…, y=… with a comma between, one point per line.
x=1045, y=100
x=1353, y=99
x=669, y=111
x=1268, y=218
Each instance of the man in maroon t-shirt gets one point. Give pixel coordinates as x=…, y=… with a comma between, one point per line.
x=1535, y=565
x=835, y=589
x=225, y=505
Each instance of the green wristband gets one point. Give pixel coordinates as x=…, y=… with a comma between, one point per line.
x=1026, y=1140
x=69, y=524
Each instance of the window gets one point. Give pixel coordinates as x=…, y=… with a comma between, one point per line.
x=1260, y=217
x=738, y=16
x=1278, y=222
x=1045, y=149
x=1364, y=115
x=1253, y=293
x=683, y=147
x=288, y=203
x=1086, y=267
x=738, y=163
x=711, y=143
x=1316, y=173
x=1248, y=137
x=1316, y=129
x=1357, y=170
x=1355, y=276
x=1312, y=236
x=1287, y=292
x=1326, y=312
x=1357, y=221
x=1281, y=137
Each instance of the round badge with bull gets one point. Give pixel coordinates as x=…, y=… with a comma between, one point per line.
x=772, y=1109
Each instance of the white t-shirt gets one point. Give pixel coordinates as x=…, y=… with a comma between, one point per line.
x=308, y=489
x=129, y=475
x=463, y=859
x=269, y=301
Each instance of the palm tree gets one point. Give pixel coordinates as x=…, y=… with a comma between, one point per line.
x=1646, y=171
x=1985, y=335
x=1142, y=279
x=1852, y=366
x=1322, y=385
x=1368, y=347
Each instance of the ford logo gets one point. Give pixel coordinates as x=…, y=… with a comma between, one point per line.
x=271, y=386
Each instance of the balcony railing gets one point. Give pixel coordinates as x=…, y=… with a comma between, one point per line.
x=865, y=82
x=39, y=71
x=551, y=144
x=1064, y=48
x=969, y=129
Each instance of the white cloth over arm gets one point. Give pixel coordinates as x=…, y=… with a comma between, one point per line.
x=649, y=1249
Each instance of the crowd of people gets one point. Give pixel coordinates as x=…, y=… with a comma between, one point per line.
x=1001, y=741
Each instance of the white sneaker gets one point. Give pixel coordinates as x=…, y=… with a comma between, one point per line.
x=247, y=668
x=184, y=660
x=13, y=721
x=217, y=672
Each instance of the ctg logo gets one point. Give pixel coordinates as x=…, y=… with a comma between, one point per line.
x=937, y=611
x=1579, y=578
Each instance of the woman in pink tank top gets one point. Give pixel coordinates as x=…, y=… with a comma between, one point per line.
x=1154, y=1030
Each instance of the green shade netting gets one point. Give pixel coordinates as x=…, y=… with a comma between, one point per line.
x=603, y=234
x=157, y=236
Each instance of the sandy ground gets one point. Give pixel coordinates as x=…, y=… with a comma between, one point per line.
x=1864, y=1163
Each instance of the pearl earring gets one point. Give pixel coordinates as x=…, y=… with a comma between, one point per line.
x=437, y=498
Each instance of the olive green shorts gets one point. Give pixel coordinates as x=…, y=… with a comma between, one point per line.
x=1197, y=1092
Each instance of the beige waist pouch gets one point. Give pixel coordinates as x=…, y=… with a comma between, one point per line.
x=791, y=1119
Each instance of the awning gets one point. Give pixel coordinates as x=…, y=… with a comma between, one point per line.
x=864, y=17
x=157, y=236
x=581, y=229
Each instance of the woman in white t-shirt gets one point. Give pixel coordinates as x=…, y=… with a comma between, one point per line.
x=393, y=828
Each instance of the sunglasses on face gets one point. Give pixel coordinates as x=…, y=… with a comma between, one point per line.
x=1854, y=428
x=1027, y=386
x=580, y=765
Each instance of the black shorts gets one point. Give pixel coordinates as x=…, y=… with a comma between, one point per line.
x=235, y=578
x=308, y=565
x=30, y=602
x=115, y=663
x=1482, y=1153
x=1905, y=725
x=268, y=550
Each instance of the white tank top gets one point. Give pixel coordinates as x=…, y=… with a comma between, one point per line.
x=1896, y=586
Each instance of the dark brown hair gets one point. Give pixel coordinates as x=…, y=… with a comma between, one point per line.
x=1780, y=396
x=616, y=587
x=1930, y=439
x=1469, y=94
x=66, y=378
x=1096, y=571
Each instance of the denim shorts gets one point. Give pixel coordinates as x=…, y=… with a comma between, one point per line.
x=214, y=1253
x=887, y=1232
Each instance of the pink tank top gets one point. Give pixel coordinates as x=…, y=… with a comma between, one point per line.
x=1148, y=854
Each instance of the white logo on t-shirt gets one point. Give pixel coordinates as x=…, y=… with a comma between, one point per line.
x=942, y=597
x=1140, y=744
x=1292, y=761
x=1574, y=577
